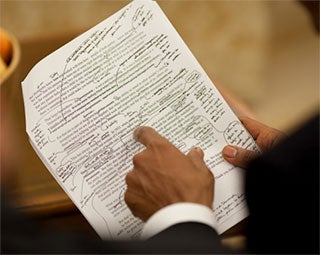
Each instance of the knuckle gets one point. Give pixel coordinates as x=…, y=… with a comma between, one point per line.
x=137, y=158
x=131, y=203
x=247, y=157
x=160, y=146
x=209, y=174
x=129, y=177
x=208, y=177
x=127, y=197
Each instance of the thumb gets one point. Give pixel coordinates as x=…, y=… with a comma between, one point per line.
x=238, y=156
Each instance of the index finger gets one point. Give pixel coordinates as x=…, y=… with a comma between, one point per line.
x=147, y=135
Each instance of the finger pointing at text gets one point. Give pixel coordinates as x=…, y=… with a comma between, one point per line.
x=163, y=175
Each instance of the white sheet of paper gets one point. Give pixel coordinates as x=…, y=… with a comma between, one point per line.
x=83, y=101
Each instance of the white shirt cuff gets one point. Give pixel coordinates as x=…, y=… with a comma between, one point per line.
x=178, y=213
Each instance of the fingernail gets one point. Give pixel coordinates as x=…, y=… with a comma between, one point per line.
x=229, y=152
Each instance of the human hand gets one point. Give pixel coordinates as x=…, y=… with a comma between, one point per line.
x=163, y=175
x=266, y=138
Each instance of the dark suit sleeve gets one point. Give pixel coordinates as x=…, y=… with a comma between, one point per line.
x=187, y=237
x=22, y=235
x=282, y=189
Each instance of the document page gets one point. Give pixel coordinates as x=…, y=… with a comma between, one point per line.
x=83, y=101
